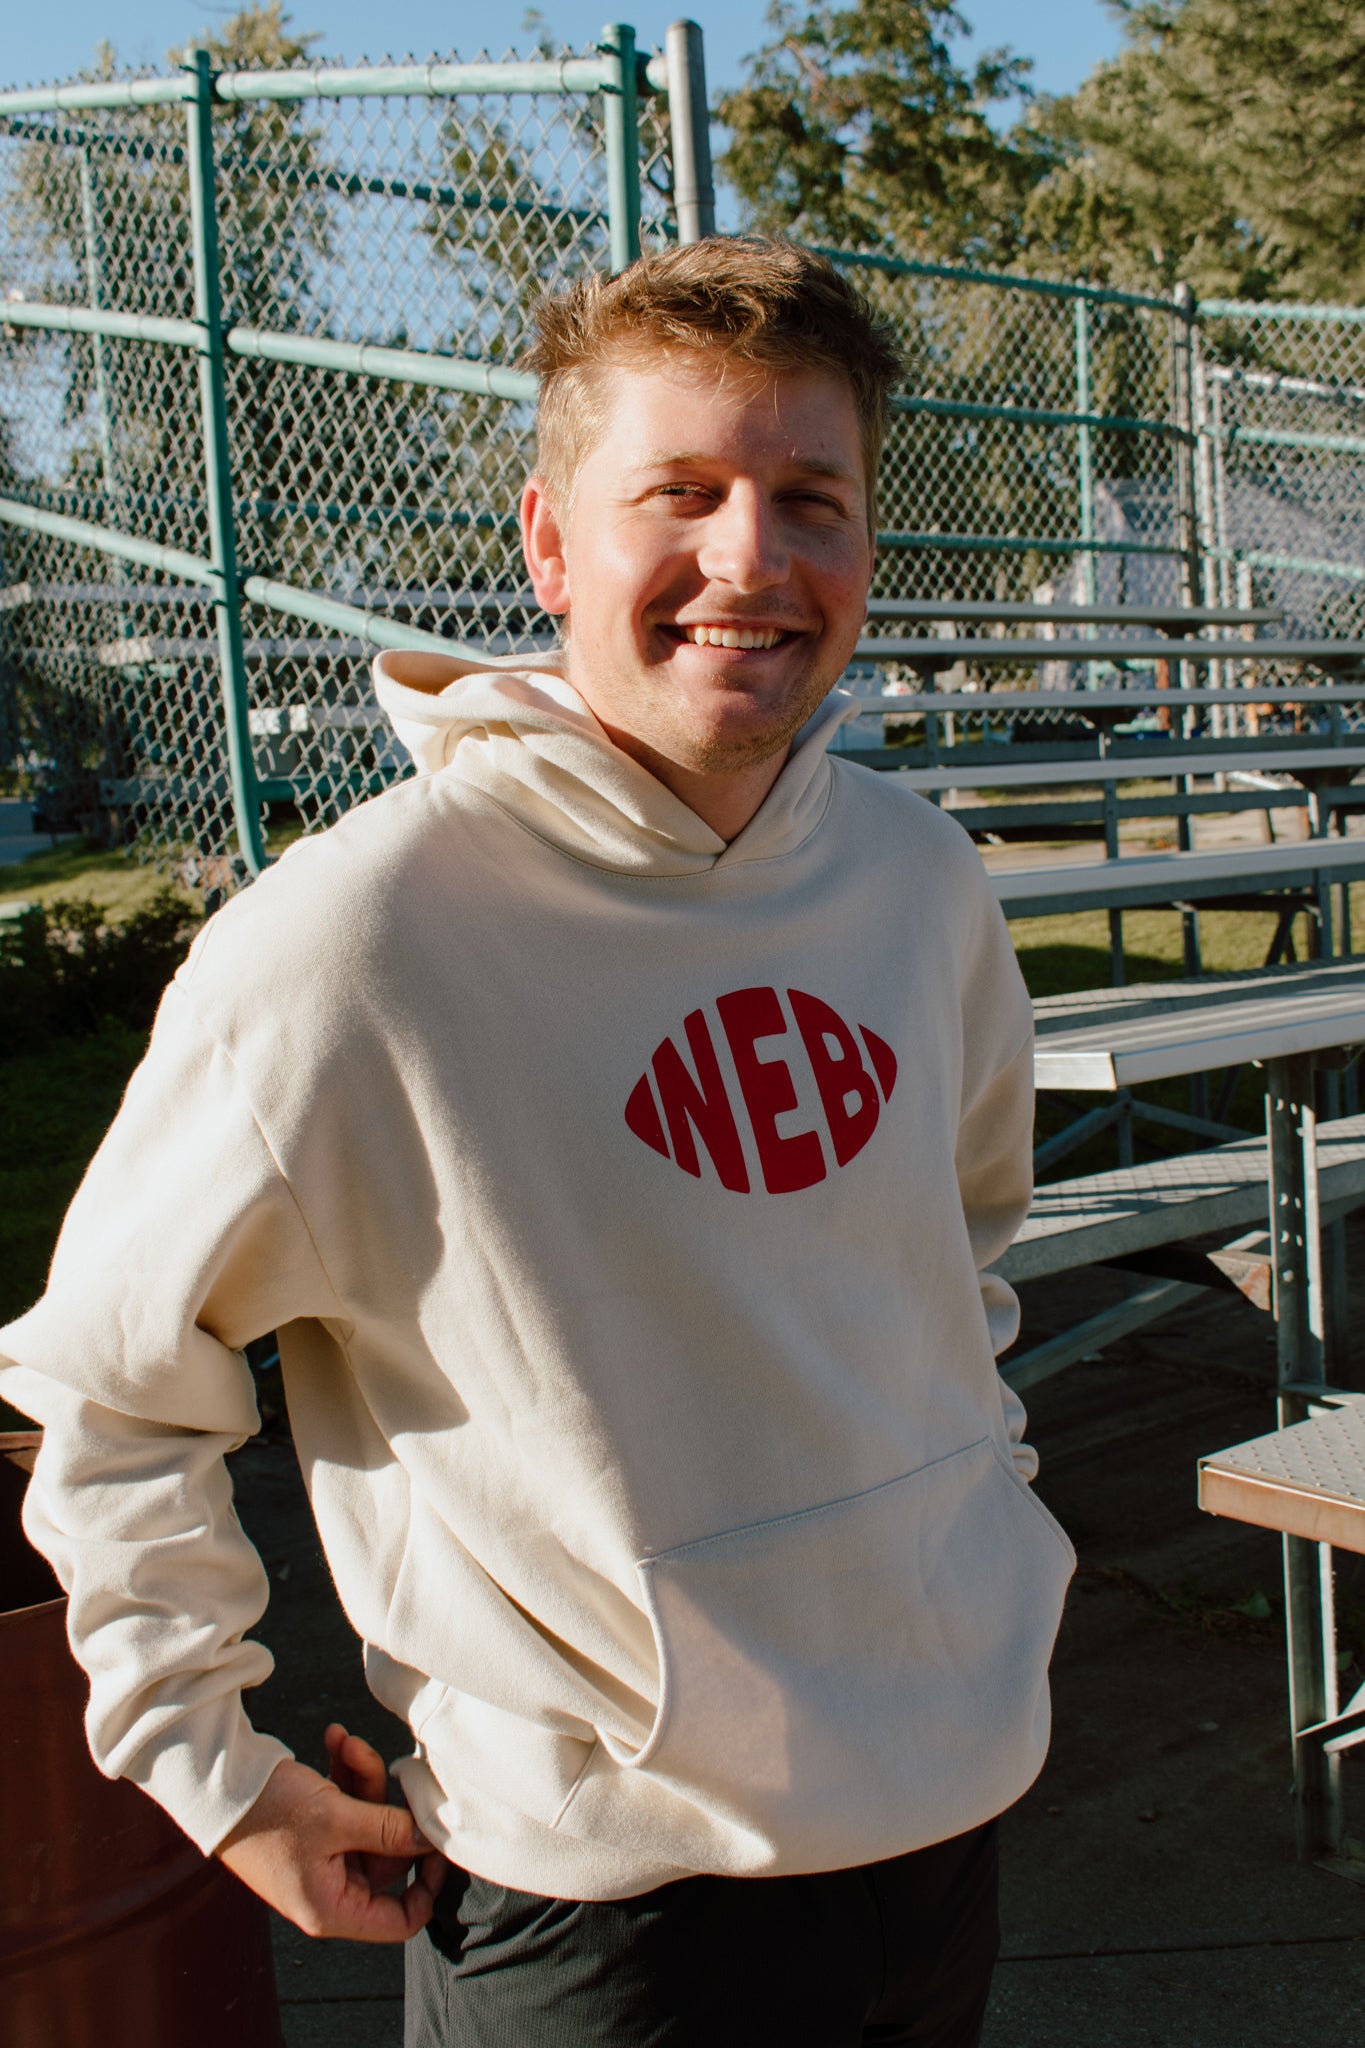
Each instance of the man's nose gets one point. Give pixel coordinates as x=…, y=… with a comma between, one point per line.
x=744, y=544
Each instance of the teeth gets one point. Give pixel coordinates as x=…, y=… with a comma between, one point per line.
x=731, y=636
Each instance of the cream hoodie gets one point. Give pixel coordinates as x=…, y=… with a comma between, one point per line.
x=621, y=1199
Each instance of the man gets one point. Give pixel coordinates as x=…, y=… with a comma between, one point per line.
x=615, y=1123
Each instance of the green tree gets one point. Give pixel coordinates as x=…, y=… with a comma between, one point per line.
x=1225, y=145
x=859, y=128
x=856, y=125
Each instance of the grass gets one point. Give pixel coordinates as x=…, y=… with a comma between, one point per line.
x=1059, y=954
x=58, y=1096
x=55, y=1106
x=76, y=869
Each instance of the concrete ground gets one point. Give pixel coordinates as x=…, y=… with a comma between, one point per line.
x=1151, y=1894
x=17, y=837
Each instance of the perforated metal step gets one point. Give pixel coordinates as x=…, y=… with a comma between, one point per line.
x=1080, y=1222
x=1308, y=1480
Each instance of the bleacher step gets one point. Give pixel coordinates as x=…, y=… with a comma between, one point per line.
x=1103, y=1215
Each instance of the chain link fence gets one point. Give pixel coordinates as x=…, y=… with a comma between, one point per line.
x=261, y=334
x=1041, y=451
x=1036, y=442
x=1282, y=415
x=263, y=413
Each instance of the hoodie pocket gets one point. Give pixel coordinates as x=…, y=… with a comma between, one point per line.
x=860, y=1673
x=506, y=1757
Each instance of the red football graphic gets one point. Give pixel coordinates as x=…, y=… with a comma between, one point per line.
x=843, y=1079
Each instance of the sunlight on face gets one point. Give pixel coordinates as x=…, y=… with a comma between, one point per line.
x=714, y=575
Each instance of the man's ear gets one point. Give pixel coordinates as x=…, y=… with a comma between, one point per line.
x=542, y=543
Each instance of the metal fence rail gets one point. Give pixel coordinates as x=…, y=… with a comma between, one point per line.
x=263, y=413
x=1043, y=429
x=261, y=333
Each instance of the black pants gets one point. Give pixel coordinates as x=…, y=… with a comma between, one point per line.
x=890, y=1953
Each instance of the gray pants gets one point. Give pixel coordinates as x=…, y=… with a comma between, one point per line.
x=889, y=1953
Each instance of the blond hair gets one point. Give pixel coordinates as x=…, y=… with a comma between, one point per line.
x=768, y=305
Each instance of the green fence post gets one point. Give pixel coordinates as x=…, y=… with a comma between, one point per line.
x=208, y=313
x=1186, y=485
x=1085, y=452
x=1085, y=476
x=621, y=110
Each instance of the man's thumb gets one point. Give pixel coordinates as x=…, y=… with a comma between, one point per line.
x=386, y=1831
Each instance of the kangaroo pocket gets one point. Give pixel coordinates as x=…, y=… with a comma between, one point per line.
x=847, y=1682
x=523, y=1764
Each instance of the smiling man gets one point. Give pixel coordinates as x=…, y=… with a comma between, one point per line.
x=617, y=1122
x=715, y=578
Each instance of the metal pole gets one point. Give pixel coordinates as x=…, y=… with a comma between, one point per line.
x=1224, y=584
x=1206, y=521
x=694, y=199
x=1291, y=1123
x=1296, y=1267
x=208, y=313
x=1187, y=504
x=622, y=121
x=1186, y=482
x=1085, y=454
x=90, y=228
x=1191, y=585
x=1182, y=395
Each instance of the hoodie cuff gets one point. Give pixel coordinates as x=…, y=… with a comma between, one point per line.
x=208, y=1772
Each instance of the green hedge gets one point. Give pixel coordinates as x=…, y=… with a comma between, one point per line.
x=66, y=971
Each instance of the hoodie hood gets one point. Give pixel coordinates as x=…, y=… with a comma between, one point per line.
x=523, y=735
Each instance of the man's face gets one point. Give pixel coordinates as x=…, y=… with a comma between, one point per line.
x=715, y=568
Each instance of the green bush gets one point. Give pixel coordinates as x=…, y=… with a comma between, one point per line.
x=66, y=971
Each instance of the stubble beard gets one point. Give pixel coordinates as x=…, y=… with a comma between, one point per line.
x=720, y=756
x=723, y=754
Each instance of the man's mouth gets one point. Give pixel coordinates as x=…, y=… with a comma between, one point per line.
x=753, y=637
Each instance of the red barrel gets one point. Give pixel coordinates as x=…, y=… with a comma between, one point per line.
x=114, y=1931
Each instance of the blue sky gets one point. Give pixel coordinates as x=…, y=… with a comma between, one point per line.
x=1064, y=37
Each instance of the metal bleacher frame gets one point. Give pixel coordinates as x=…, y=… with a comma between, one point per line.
x=1162, y=654
x=1284, y=1195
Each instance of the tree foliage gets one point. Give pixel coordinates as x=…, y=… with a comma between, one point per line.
x=275, y=216
x=101, y=213
x=1225, y=145
x=857, y=126
x=505, y=232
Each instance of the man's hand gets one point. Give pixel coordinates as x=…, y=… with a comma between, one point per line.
x=359, y=1769
x=321, y=1851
